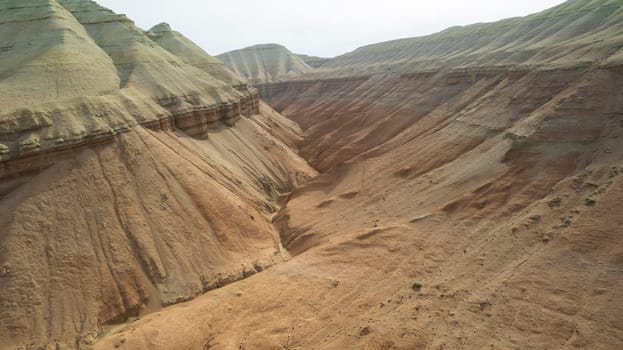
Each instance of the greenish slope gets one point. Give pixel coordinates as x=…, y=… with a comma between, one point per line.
x=313, y=61
x=265, y=63
x=192, y=54
x=143, y=64
x=74, y=72
x=45, y=54
x=576, y=33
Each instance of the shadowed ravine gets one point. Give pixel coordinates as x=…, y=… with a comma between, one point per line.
x=454, y=191
x=457, y=208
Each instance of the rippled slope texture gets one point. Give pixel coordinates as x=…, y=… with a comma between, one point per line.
x=575, y=33
x=468, y=199
x=131, y=178
x=314, y=61
x=265, y=63
x=192, y=54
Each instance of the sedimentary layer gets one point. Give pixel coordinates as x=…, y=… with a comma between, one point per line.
x=131, y=178
x=313, y=61
x=92, y=74
x=192, y=54
x=573, y=34
x=480, y=216
x=465, y=202
x=265, y=63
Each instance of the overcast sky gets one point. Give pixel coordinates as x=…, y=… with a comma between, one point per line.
x=318, y=27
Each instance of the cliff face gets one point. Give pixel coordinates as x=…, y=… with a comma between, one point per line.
x=131, y=178
x=265, y=63
x=465, y=202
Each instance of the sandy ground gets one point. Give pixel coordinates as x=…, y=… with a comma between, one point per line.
x=455, y=231
x=456, y=191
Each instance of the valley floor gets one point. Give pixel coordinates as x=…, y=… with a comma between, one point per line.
x=446, y=234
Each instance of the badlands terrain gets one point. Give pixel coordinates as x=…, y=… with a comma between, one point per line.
x=267, y=63
x=461, y=190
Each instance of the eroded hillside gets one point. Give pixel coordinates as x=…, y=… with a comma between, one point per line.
x=265, y=63
x=468, y=199
x=131, y=177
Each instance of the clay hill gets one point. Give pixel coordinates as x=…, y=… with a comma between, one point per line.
x=265, y=63
x=467, y=194
x=136, y=172
x=190, y=53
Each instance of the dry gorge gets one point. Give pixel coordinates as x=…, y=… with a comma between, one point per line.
x=461, y=190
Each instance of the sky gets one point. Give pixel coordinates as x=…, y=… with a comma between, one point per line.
x=325, y=28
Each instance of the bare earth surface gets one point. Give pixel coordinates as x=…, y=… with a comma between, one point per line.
x=265, y=63
x=148, y=185
x=470, y=206
x=468, y=193
x=512, y=229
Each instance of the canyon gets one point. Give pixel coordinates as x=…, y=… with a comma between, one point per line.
x=454, y=191
x=135, y=175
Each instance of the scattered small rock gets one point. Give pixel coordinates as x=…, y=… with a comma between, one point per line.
x=363, y=331
x=248, y=273
x=554, y=203
x=484, y=305
x=566, y=221
x=88, y=339
x=4, y=270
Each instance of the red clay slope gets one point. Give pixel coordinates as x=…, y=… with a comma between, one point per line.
x=468, y=208
x=130, y=179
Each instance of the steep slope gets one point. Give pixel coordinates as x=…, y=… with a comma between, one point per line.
x=573, y=34
x=104, y=66
x=407, y=79
x=314, y=61
x=465, y=202
x=32, y=58
x=192, y=54
x=146, y=66
x=140, y=181
x=265, y=63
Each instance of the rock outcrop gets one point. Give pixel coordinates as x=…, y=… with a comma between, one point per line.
x=265, y=63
